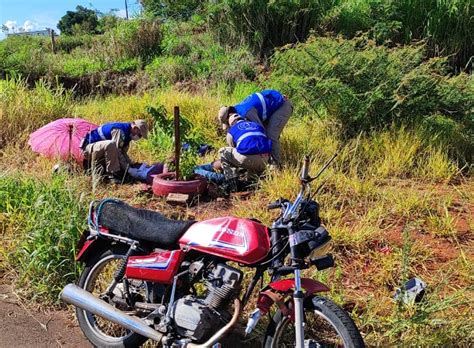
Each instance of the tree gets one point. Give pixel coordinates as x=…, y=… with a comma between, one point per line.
x=82, y=20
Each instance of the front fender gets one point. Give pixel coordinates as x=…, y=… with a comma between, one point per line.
x=310, y=286
x=277, y=292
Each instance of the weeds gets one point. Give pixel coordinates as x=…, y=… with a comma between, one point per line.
x=23, y=110
x=50, y=216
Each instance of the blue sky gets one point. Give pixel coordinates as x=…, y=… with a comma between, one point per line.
x=39, y=14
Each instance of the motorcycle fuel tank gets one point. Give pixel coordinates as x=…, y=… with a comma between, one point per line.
x=232, y=238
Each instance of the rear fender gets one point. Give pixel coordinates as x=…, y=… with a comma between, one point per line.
x=88, y=247
x=279, y=291
x=89, y=242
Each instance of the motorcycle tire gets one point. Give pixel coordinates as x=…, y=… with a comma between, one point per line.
x=333, y=316
x=166, y=183
x=89, y=324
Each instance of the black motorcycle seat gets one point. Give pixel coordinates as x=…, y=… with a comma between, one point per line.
x=142, y=224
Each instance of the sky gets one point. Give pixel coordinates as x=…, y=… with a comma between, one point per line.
x=30, y=15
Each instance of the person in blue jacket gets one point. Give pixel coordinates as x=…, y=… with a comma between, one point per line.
x=109, y=144
x=269, y=108
x=249, y=148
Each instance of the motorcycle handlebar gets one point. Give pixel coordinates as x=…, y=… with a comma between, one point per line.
x=304, y=171
x=277, y=204
x=274, y=205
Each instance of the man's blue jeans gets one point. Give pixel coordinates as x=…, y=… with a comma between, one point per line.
x=208, y=172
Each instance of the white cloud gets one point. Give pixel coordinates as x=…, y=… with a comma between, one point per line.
x=30, y=26
x=27, y=26
x=11, y=25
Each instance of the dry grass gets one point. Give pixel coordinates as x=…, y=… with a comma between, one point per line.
x=395, y=208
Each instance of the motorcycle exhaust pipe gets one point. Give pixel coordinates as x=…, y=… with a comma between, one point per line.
x=80, y=298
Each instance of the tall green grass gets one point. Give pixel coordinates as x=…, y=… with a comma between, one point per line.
x=41, y=222
x=23, y=110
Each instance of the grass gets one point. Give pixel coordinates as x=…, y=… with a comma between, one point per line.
x=41, y=222
x=23, y=110
x=396, y=207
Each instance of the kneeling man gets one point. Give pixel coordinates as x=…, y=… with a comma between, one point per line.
x=109, y=144
x=249, y=148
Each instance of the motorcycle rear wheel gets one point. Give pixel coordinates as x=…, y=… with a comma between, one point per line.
x=95, y=278
x=325, y=323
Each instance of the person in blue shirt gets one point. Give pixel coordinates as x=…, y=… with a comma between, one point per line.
x=269, y=108
x=109, y=143
x=249, y=148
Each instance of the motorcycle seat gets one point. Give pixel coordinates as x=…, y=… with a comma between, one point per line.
x=142, y=224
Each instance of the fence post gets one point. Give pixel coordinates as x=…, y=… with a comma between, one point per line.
x=177, y=141
x=53, y=42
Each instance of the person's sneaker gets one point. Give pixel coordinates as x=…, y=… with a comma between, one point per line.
x=112, y=179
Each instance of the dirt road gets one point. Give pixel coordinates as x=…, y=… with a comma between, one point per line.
x=26, y=327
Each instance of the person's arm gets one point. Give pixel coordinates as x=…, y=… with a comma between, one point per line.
x=230, y=140
x=119, y=138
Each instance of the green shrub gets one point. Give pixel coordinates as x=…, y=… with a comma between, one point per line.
x=24, y=55
x=264, y=24
x=366, y=87
x=75, y=66
x=164, y=71
x=67, y=43
x=42, y=222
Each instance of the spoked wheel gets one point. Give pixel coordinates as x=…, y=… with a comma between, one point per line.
x=96, y=278
x=326, y=325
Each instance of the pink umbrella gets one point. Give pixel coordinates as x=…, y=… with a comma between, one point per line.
x=61, y=138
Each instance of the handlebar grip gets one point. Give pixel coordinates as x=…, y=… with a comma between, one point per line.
x=304, y=171
x=274, y=205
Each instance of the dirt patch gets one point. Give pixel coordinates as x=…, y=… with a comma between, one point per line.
x=22, y=326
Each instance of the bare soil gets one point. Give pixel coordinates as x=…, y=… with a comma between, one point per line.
x=22, y=325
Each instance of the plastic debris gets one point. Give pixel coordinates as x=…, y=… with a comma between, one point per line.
x=412, y=292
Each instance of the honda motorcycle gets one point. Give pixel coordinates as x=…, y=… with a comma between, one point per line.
x=180, y=283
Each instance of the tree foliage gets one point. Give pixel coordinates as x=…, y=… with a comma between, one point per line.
x=83, y=21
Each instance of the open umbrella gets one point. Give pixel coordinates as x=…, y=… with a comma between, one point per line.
x=61, y=138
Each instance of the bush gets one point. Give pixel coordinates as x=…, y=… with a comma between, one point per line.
x=264, y=24
x=23, y=55
x=366, y=87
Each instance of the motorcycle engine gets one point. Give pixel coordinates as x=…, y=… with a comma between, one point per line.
x=199, y=317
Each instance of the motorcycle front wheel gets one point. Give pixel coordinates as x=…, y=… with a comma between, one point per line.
x=326, y=325
x=96, y=277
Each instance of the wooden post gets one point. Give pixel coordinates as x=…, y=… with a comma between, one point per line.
x=53, y=42
x=177, y=141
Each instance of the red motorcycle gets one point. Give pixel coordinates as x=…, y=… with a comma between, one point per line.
x=177, y=282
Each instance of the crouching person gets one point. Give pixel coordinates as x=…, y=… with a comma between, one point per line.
x=268, y=108
x=107, y=146
x=249, y=149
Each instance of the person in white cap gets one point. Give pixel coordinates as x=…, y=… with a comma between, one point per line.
x=109, y=143
x=249, y=149
x=269, y=108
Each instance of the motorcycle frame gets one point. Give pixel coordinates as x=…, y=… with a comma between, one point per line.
x=267, y=297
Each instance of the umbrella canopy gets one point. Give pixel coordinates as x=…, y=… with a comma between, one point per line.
x=61, y=138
